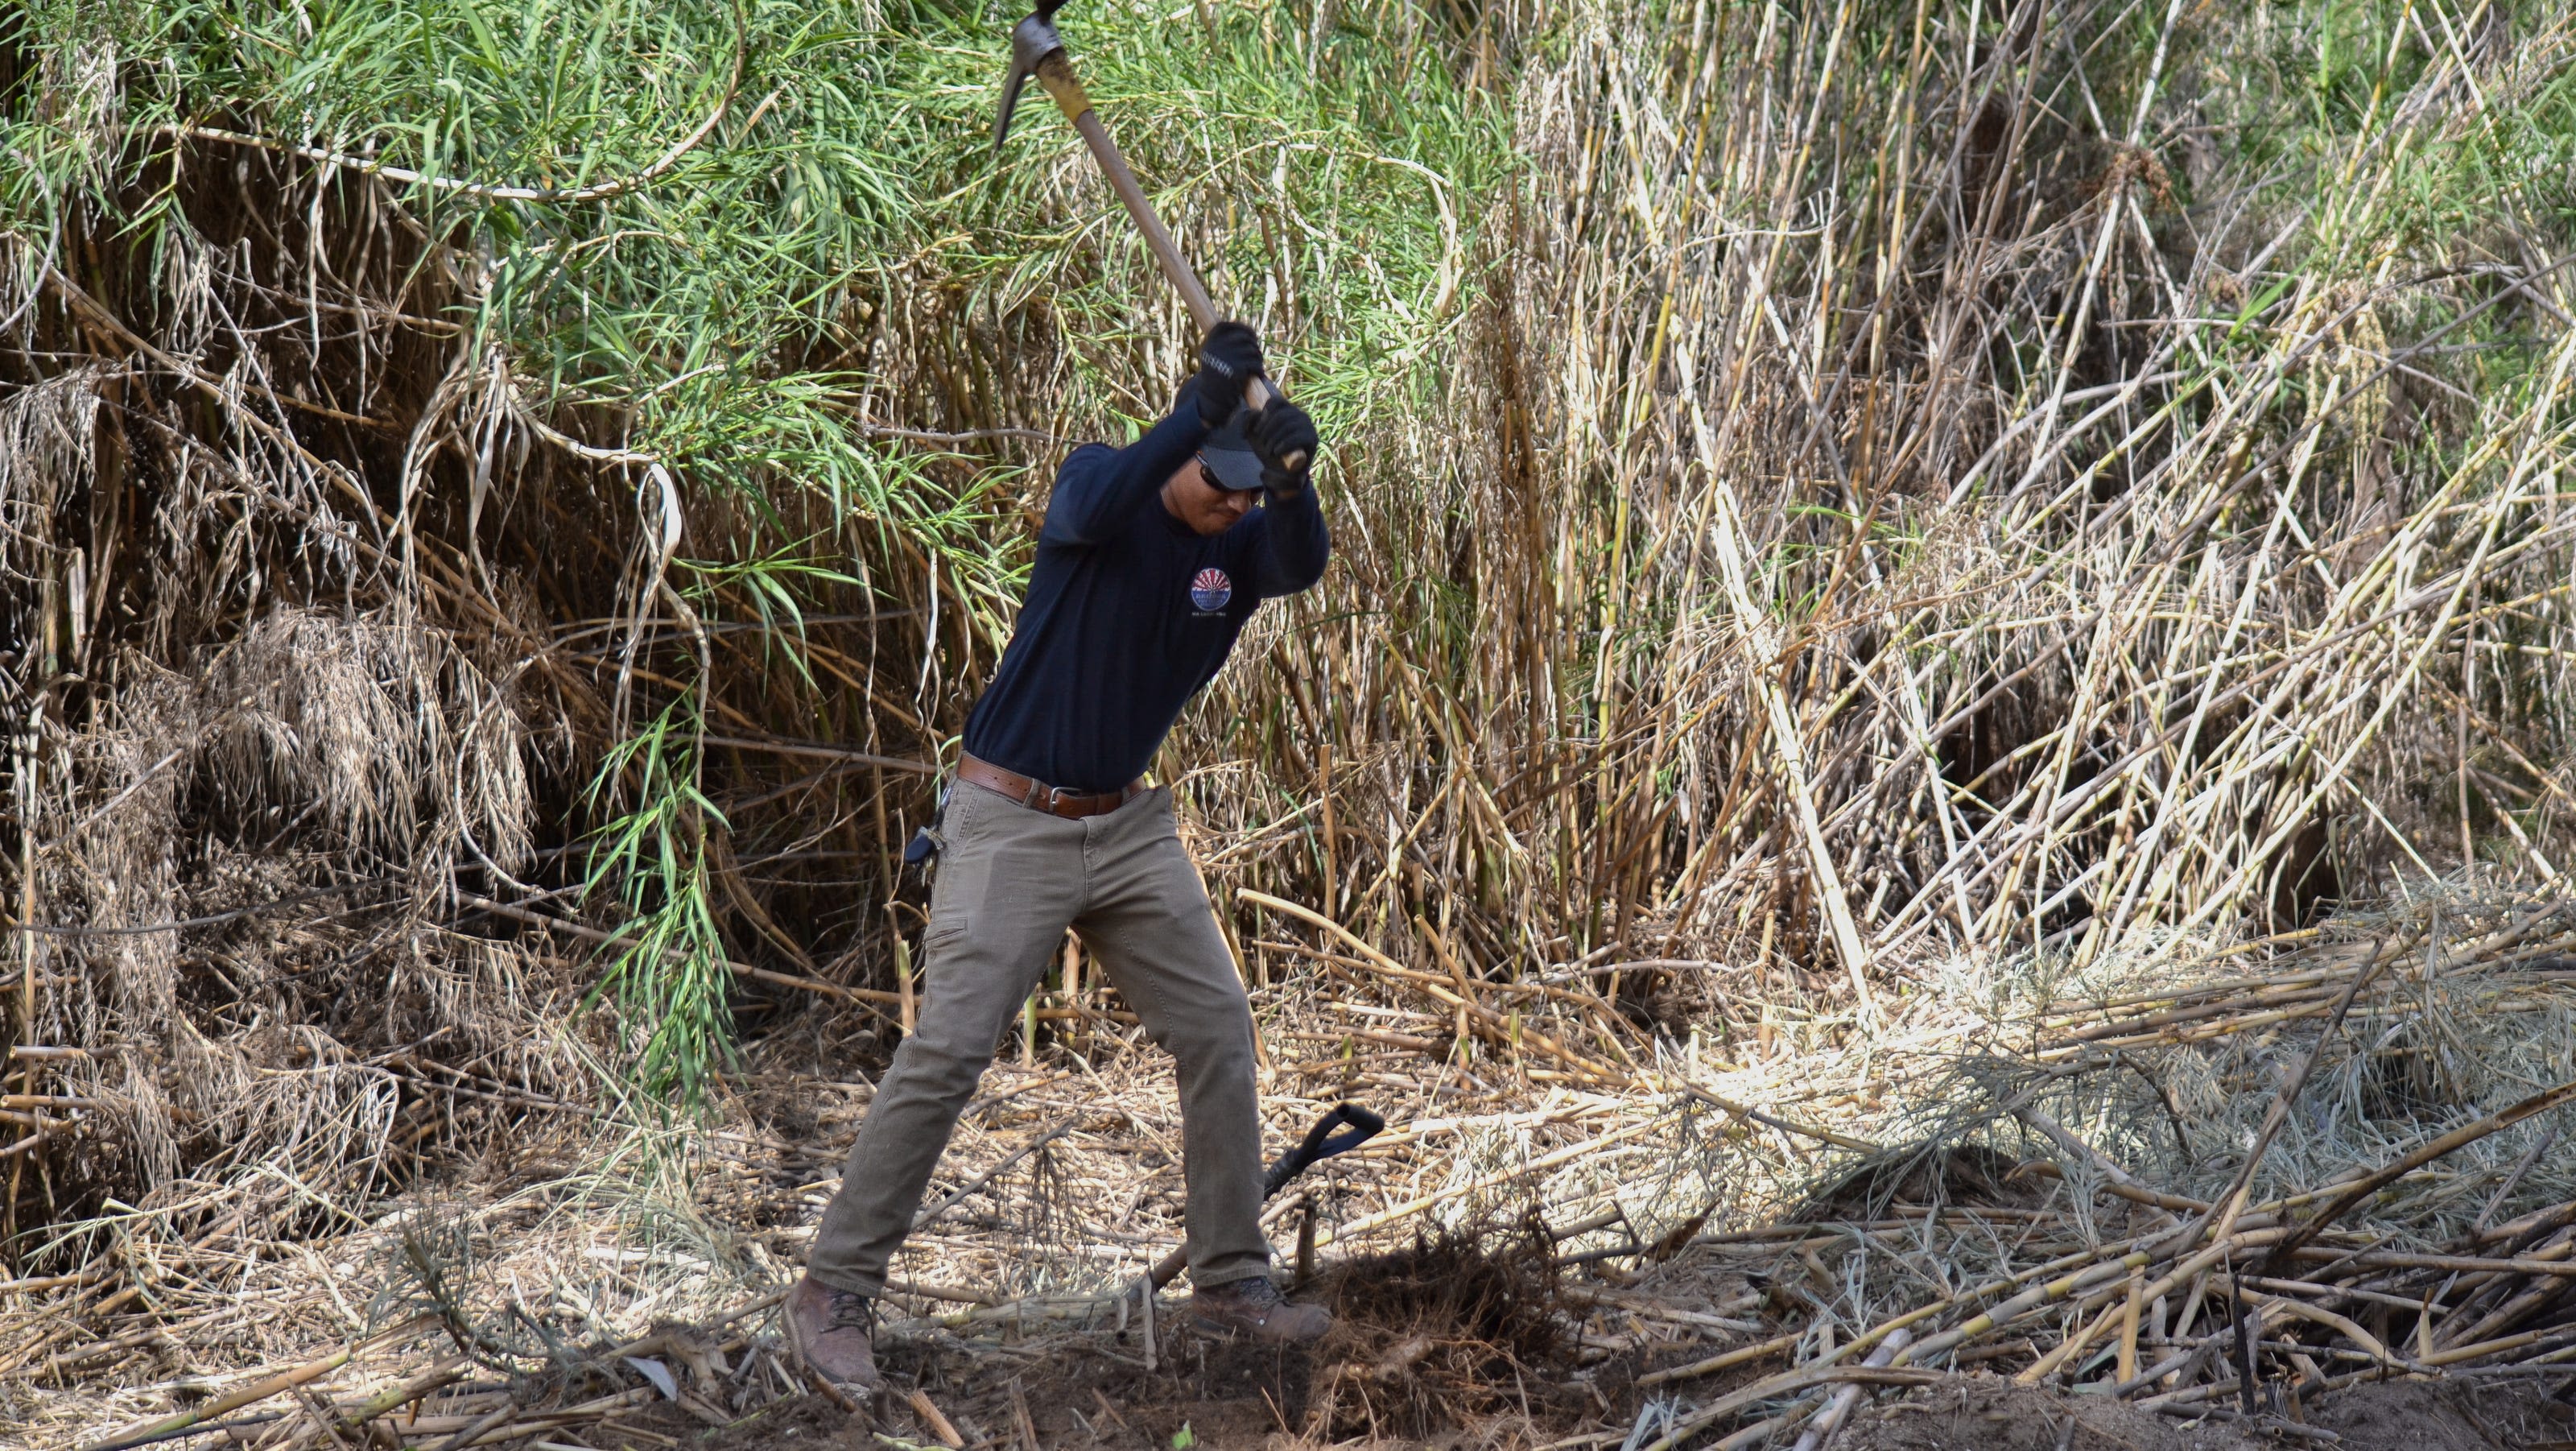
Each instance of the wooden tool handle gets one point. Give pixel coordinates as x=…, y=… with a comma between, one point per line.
x=1055, y=72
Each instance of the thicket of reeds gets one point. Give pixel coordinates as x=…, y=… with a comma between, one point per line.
x=504, y=508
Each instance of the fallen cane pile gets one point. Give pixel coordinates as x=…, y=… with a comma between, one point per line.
x=2236, y=1307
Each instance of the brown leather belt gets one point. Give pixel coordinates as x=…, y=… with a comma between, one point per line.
x=1039, y=796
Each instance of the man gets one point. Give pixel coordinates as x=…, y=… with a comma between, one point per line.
x=1150, y=560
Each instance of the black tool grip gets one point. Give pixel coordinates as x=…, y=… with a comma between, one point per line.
x=1345, y=1128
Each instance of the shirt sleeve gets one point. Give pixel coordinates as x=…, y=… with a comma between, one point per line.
x=1100, y=489
x=1288, y=544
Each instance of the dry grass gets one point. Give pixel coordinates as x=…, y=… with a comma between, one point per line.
x=1506, y=1250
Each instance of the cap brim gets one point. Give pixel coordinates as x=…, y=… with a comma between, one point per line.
x=1237, y=470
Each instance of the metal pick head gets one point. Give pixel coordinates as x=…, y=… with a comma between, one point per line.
x=1032, y=40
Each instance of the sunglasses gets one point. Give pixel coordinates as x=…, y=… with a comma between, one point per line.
x=1216, y=481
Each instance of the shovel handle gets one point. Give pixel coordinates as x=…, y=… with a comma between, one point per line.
x=1055, y=72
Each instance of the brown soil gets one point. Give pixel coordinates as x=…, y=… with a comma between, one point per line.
x=1997, y=1416
x=1225, y=1399
x=2453, y=1416
x=1994, y=1415
x=1459, y=1342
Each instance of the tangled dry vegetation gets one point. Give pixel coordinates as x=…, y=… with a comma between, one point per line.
x=2267, y=1193
x=1919, y=591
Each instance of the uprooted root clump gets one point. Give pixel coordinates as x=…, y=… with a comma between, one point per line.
x=1464, y=1332
x=1452, y=1330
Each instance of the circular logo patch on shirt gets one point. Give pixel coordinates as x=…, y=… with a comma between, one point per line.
x=1210, y=589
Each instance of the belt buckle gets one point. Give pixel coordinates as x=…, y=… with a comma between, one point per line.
x=1055, y=800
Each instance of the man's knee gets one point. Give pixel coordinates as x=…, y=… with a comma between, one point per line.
x=1217, y=1039
x=926, y=1070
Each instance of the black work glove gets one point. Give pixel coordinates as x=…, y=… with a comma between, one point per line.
x=1228, y=359
x=1279, y=432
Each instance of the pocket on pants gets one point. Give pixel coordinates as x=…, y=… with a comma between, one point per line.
x=957, y=815
x=944, y=933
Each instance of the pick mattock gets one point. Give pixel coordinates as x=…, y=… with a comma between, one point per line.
x=1345, y=1128
x=1037, y=50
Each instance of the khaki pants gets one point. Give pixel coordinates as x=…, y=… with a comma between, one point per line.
x=1009, y=881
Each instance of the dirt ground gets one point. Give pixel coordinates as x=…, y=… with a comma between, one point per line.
x=1383, y=1387
x=1472, y=1342
x=1578, y=1246
x=1445, y=1344
x=1231, y=1397
x=1990, y=1414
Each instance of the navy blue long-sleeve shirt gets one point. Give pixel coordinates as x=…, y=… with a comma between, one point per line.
x=1130, y=611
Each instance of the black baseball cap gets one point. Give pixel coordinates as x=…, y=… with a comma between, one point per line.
x=1227, y=457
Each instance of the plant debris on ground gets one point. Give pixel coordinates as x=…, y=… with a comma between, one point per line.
x=2244, y=1196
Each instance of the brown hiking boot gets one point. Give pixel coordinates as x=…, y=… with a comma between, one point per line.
x=831, y=1330
x=1255, y=1307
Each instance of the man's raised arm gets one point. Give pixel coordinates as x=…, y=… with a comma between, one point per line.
x=1290, y=552
x=1099, y=489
